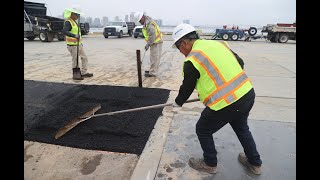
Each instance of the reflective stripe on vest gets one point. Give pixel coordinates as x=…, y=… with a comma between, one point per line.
x=224, y=92
x=158, y=33
x=214, y=90
x=74, y=30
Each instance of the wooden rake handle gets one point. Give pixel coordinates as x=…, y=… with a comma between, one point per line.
x=140, y=108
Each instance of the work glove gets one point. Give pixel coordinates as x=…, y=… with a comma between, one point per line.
x=77, y=36
x=147, y=46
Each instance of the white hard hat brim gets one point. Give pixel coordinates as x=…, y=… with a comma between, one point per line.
x=74, y=11
x=174, y=42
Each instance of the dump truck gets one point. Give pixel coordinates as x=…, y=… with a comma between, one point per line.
x=38, y=24
x=280, y=32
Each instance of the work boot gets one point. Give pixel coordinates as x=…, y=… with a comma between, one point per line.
x=200, y=165
x=76, y=74
x=149, y=75
x=244, y=160
x=87, y=75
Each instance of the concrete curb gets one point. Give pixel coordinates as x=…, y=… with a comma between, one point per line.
x=147, y=165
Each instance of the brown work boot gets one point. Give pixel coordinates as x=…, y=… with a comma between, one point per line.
x=244, y=160
x=200, y=165
x=149, y=75
x=87, y=75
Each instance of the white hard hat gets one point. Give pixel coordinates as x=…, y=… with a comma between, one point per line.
x=181, y=30
x=138, y=15
x=68, y=11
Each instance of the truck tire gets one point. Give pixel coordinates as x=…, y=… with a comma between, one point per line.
x=31, y=38
x=105, y=36
x=43, y=36
x=225, y=36
x=283, y=38
x=130, y=33
x=252, y=31
x=135, y=36
x=120, y=34
x=234, y=37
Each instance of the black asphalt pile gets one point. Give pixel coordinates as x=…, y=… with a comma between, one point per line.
x=49, y=106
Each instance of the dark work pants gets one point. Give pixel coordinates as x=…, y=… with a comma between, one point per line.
x=236, y=115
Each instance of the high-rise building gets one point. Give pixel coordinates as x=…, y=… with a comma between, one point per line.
x=96, y=22
x=186, y=21
x=126, y=18
x=105, y=21
x=132, y=19
x=116, y=18
x=82, y=19
x=89, y=20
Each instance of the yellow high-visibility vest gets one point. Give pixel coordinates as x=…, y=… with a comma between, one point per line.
x=158, y=33
x=74, y=30
x=222, y=80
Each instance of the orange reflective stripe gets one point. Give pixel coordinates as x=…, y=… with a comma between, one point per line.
x=71, y=39
x=230, y=98
x=207, y=71
x=224, y=85
x=228, y=93
x=223, y=97
x=211, y=63
x=72, y=22
x=234, y=96
x=155, y=25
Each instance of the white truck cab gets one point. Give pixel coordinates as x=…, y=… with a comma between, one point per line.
x=118, y=28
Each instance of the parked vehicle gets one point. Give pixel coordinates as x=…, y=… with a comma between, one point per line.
x=118, y=28
x=137, y=32
x=85, y=28
x=280, y=32
x=233, y=33
x=38, y=24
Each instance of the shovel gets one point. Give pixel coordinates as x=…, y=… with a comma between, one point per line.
x=143, y=55
x=77, y=69
x=90, y=114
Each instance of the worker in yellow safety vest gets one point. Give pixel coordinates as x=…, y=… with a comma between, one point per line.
x=72, y=33
x=153, y=37
x=213, y=69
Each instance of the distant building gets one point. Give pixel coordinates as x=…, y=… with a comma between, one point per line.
x=158, y=21
x=186, y=21
x=132, y=19
x=116, y=18
x=126, y=18
x=82, y=19
x=105, y=21
x=96, y=22
x=89, y=20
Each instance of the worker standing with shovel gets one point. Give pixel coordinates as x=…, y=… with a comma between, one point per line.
x=153, y=37
x=74, y=43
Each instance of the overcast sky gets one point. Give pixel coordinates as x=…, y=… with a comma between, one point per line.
x=172, y=12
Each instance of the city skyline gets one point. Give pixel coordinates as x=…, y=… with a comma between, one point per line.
x=202, y=12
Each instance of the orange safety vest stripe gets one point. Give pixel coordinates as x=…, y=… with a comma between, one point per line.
x=236, y=88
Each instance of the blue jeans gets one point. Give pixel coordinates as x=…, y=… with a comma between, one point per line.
x=236, y=115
